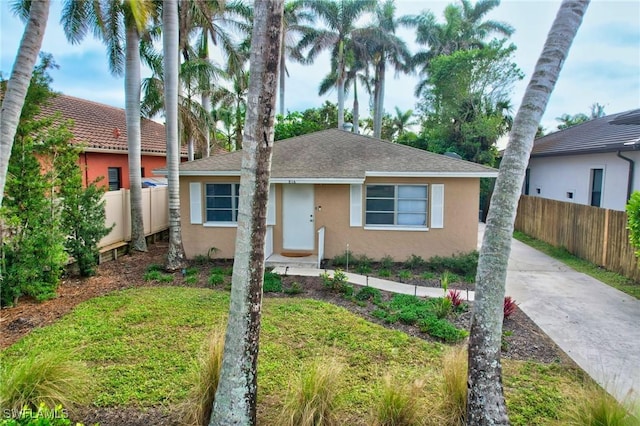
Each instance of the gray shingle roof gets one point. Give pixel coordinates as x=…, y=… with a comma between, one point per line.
x=337, y=154
x=605, y=134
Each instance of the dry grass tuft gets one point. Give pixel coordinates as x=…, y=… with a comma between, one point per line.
x=311, y=400
x=598, y=408
x=454, y=385
x=49, y=377
x=399, y=404
x=197, y=408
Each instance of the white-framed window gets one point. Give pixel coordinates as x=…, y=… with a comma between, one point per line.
x=221, y=202
x=396, y=205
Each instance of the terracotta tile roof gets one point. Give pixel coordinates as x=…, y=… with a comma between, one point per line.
x=334, y=153
x=103, y=127
x=605, y=134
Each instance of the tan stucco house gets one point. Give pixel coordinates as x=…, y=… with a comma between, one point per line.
x=334, y=189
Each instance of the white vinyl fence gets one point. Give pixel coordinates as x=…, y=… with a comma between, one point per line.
x=155, y=213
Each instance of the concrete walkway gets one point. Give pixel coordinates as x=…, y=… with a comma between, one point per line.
x=386, y=285
x=596, y=325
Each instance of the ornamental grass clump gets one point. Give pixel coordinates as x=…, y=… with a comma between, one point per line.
x=598, y=408
x=197, y=408
x=311, y=400
x=399, y=404
x=49, y=377
x=454, y=386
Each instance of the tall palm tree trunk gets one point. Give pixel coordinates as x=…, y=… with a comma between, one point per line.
x=378, y=103
x=282, y=76
x=132, y=110
x=206, y=105
x=175, y=255
x=18, y=83
x=341, y=81
x=236, y=396
x=486, y=404
x=356, y=108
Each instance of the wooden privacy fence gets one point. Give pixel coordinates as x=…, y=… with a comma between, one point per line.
x=591, y=233
x=155, y=213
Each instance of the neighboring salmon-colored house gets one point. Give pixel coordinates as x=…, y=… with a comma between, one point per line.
x=102, y=130
x=334, y=189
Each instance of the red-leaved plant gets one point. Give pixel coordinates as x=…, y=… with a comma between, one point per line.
x=509, y=306
x=455, y=297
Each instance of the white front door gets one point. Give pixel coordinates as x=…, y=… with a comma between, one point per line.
x=298, y=217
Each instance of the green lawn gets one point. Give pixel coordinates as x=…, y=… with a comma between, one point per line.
x=141, y=343
x=613, y=279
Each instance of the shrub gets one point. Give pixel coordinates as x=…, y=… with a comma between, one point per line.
x=295, y=288
x=272, y=283
x=191, y=271
x=405, y=275
x=442, y=329
x=369, y=293
x=414, y=262
x=455, y=297
x=398, y=405
x=633, y=221
x=509, y=306
x=205, y=377
x=49, y=378
x=427, y=275
x=191, y=279
x=335, y=283
x=598, y=408
x=461, y=264
x=311, y=400
x=215, y=279
x=342, y=260
x=386, y=262
x=155, y=267
x=385, y=273
x=362, y=260
x=191, y=276
x=155, y=275
x=363, y=269
x=222, y=271
x=201, y=259
x=443, y=307
x=454, y=385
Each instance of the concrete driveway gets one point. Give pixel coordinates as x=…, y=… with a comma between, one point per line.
x=596, y=325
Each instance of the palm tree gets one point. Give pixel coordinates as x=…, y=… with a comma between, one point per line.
x=340, y=19
x=486, y=403
x=16, y=90
x=463, y=29
x=293, y=25
x=236, y=395
x=211, y=21
x=175, y=255
x=195, y=122
x=357, y=70
x=119, y=24
x=401, y=122
x=235, y=100
x=384, y=48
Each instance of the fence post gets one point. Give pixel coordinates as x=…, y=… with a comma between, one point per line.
x=605, y=237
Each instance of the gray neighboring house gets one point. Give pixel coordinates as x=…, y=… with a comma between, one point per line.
x=595, y=163
x=334, y=189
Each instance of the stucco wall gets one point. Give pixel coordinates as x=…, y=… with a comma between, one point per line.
x=96, y=164
x=556, y=176
x=332, y=207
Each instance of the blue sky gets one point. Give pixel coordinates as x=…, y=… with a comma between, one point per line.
x=603, y=66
